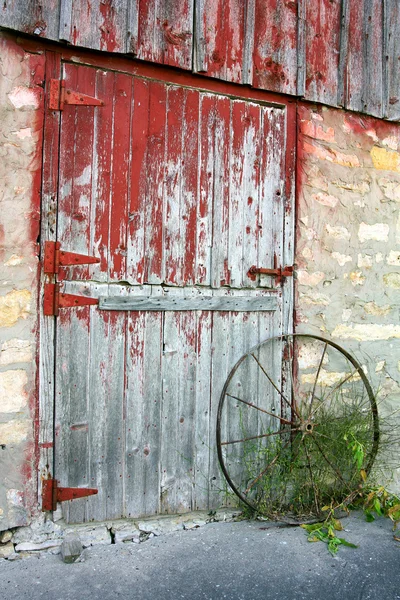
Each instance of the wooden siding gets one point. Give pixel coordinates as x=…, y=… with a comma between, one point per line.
x=337, y=52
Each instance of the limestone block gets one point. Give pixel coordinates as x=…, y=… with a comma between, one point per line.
x=387, y=160
x=392, y=280
x=6, y=550
x=92, y=535
x=35, y=547
x=16, y=351
x=371, y=308
x=14, y=432
x=390, y=189
x=310, y=279
x=13, y=396
x=338, y=232
x=393, y=258
x=71, y=548
x=326, y=199
x=367, y=332
x=342, y=259
x=5, y=537
x=14, y=306
x=378, y=232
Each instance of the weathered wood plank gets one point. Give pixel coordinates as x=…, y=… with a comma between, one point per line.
x=185, y=303
x=31, y=16
x=47, y=325
x=154, y=207
x=165, y=32
x=220, y=35
x=323, y=22
x=362, y=56
x=94, y=24
x=221, y=184
x=178, y=407
x=275, y=46
x=138, y=183
x=391, y=59
x=173, y=242
x=119, y=184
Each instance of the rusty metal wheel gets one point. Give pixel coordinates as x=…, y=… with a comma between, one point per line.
x=297, y=426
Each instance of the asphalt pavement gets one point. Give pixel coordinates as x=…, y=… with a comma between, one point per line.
x=246, y=560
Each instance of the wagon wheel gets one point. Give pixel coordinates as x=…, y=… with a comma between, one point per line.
x=297, y=426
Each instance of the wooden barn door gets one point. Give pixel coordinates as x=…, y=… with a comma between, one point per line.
x=178, y=192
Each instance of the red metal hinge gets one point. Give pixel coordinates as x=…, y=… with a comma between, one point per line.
x=54, y=258
x=51, y=493
x=60, y=95
x=279, y=272
x=54, y=300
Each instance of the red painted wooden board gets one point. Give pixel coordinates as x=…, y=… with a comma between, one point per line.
x=275, y=46
x=322, y=42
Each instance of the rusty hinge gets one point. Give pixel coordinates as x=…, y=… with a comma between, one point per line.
x=54, y=258
x=60, y=95
x=54, y=300
x=51, y=493
x=279, y=272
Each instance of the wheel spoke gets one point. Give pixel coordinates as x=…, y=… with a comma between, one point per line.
x=311, y=475
x=317, y=375
x=258, y=437
x=281, y=419
x=275, y=386
x=332, y=466
x=271, y=464
x=333, y=390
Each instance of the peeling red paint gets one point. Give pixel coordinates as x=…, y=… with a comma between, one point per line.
x=108, y=33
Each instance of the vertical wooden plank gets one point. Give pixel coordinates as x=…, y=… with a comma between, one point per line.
x=178, y=408
x=106, y=411
x=220, y=39
x=206, y=179
x=76, y=170
x=154, y=215
x=32, y=17
x=220, y=212
x=323, y=22
x=118, y=203
x=203, y=442
x=133, y=27
x=176, y=99
x=373, y=58
x=363, y=72
x=48, y=232
x=71, y=409
x=271, y=195
x=238, y=173
x=165, y=32
x=65, y=24
x=252, y=147
x=301, y=47
x=275, y=46
x=97, y=25
x=101, y=175
x=143, y=413
x=189, y=190
x=290, y=189
x=391, y=57
x=138, y=182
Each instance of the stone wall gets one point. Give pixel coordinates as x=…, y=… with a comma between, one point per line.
x=21, y=114
x=348, y=240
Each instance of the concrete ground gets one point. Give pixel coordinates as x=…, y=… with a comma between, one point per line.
x=247, y=560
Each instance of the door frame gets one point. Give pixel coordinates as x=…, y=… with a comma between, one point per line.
x=55, y=56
